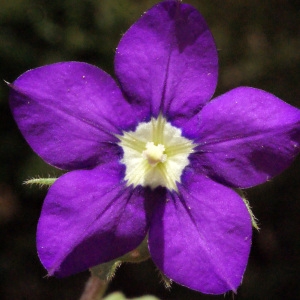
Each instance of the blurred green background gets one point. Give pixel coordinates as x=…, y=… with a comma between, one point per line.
x=258, y=44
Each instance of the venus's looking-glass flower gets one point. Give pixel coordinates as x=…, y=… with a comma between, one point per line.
x=151, y=155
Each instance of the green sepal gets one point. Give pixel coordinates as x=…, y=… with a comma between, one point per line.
x=106, y=271
x=141, y=253
x=41, y=181
x=253, y=218
x=167, y=282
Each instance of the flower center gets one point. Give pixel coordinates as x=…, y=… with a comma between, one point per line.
x=155, y=154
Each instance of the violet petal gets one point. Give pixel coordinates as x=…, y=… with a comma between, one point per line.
x=68, y=113
x=245, y=137
x=90, y=217
x=167, y=62
x=201, y=237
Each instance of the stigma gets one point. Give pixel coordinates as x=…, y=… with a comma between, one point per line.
x=154, y=154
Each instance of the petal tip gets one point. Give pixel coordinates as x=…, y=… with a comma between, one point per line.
x=8, y=83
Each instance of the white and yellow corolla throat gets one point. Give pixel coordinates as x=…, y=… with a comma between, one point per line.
x=155, y=154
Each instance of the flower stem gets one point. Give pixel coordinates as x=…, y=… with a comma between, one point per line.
x=94, y=288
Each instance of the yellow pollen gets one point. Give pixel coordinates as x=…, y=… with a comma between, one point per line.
x=154, y=154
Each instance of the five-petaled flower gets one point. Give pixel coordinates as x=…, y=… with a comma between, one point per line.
x=151, y=155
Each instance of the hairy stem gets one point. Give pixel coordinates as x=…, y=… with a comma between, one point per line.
x=95, y=288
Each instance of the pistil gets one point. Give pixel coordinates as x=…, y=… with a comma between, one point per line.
x=154, y=153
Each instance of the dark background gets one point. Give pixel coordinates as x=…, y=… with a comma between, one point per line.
x=258, y=44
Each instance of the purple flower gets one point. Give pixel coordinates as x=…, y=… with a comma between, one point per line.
x=150, y=154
